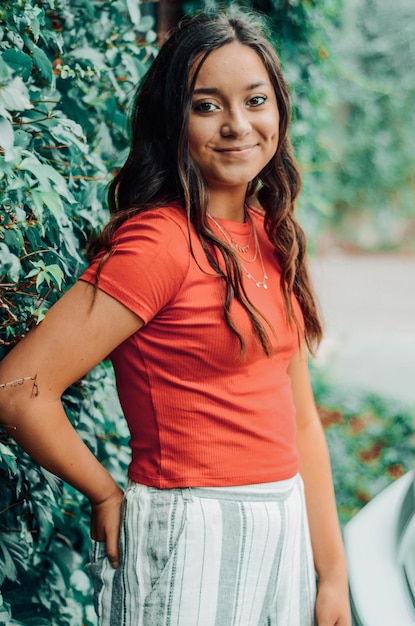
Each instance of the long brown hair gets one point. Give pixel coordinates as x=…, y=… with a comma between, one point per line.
x=160, y=170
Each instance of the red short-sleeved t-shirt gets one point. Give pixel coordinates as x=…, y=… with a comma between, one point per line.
x=199, y=412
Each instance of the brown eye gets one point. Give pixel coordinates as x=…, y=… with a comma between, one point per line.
x=256, y=101
x=204, y=107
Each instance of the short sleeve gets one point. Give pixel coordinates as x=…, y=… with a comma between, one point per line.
x=148, y=263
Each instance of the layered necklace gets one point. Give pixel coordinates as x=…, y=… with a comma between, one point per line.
x=242, y=250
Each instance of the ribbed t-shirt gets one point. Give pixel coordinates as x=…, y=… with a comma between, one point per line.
x=200, y=413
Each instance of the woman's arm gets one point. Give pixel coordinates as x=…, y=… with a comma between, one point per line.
x=77, y=333
x=332, y=607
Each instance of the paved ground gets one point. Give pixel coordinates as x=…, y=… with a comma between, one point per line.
x=368, y=303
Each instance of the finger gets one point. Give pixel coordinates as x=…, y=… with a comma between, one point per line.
x=113, y=553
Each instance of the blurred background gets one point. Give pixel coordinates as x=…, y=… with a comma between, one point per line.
x=364, y=229
x=68, y=69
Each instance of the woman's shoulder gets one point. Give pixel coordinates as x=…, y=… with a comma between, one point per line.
x=257, y=213
x=172, y=211
x=161, y=218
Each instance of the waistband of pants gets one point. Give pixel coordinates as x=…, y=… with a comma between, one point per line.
x=261, y=492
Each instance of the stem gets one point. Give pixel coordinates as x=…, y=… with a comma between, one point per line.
x=10, y=506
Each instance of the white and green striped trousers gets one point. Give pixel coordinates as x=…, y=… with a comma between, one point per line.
x=209, y=557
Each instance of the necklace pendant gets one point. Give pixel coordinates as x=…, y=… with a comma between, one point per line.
x=242, y=249
x=258, y=284
x=265, y=286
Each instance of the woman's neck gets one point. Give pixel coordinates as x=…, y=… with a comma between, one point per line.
x=227, y=205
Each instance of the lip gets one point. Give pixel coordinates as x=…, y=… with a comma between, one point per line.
x=236, y=150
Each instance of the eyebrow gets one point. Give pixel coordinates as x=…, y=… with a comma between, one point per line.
x=215, y=90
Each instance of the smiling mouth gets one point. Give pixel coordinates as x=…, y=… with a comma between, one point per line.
x=235, y=148
x=236, y=151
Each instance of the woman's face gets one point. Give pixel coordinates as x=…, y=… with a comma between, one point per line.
x=234, y=119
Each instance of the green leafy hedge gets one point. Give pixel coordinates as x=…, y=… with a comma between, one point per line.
x=371, y=441
x=67, y=74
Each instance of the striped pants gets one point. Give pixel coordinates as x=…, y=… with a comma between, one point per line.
x=208, y=557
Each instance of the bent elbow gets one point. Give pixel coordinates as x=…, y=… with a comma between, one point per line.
x=14, y=395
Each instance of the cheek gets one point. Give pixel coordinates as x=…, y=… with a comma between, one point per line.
x=273, y=136
x=275, y=125
x=276, y=139
x=194, y=147
x=274, y=122
x=270, y=127
x=196, y=138
x=192, y=130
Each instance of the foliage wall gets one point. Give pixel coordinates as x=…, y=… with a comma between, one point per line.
x=67, y=72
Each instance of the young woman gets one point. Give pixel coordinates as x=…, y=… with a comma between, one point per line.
x=198, y=290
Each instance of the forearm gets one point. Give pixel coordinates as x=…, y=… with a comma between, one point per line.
x=332, y=604
x=42, y=429
x=321, y=507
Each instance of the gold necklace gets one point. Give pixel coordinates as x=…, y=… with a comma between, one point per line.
x=235, y=244
x=230, y=240
x=257, y=252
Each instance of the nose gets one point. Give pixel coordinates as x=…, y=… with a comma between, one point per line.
x=236, y=123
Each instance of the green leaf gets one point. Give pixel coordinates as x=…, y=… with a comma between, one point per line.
x=14, y=96
x=146, y=25
x=13, y=238
x=9, y=262
x=6, y=134
x=40, y=59
x=45, y=174
x=53, y=481
x=22, y=138
x=134, y=11
x=5, y=617
x=151, y=36
x=19, y=61
x=5, y=71
x=92, y=55
x=8, y=458
x=66, y=135
x=54, y=273
x=51, y=199
x=8, y=568
x=46, y=273
x=34, y=236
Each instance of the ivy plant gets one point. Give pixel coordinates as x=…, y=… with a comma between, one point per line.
x=68, y=70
